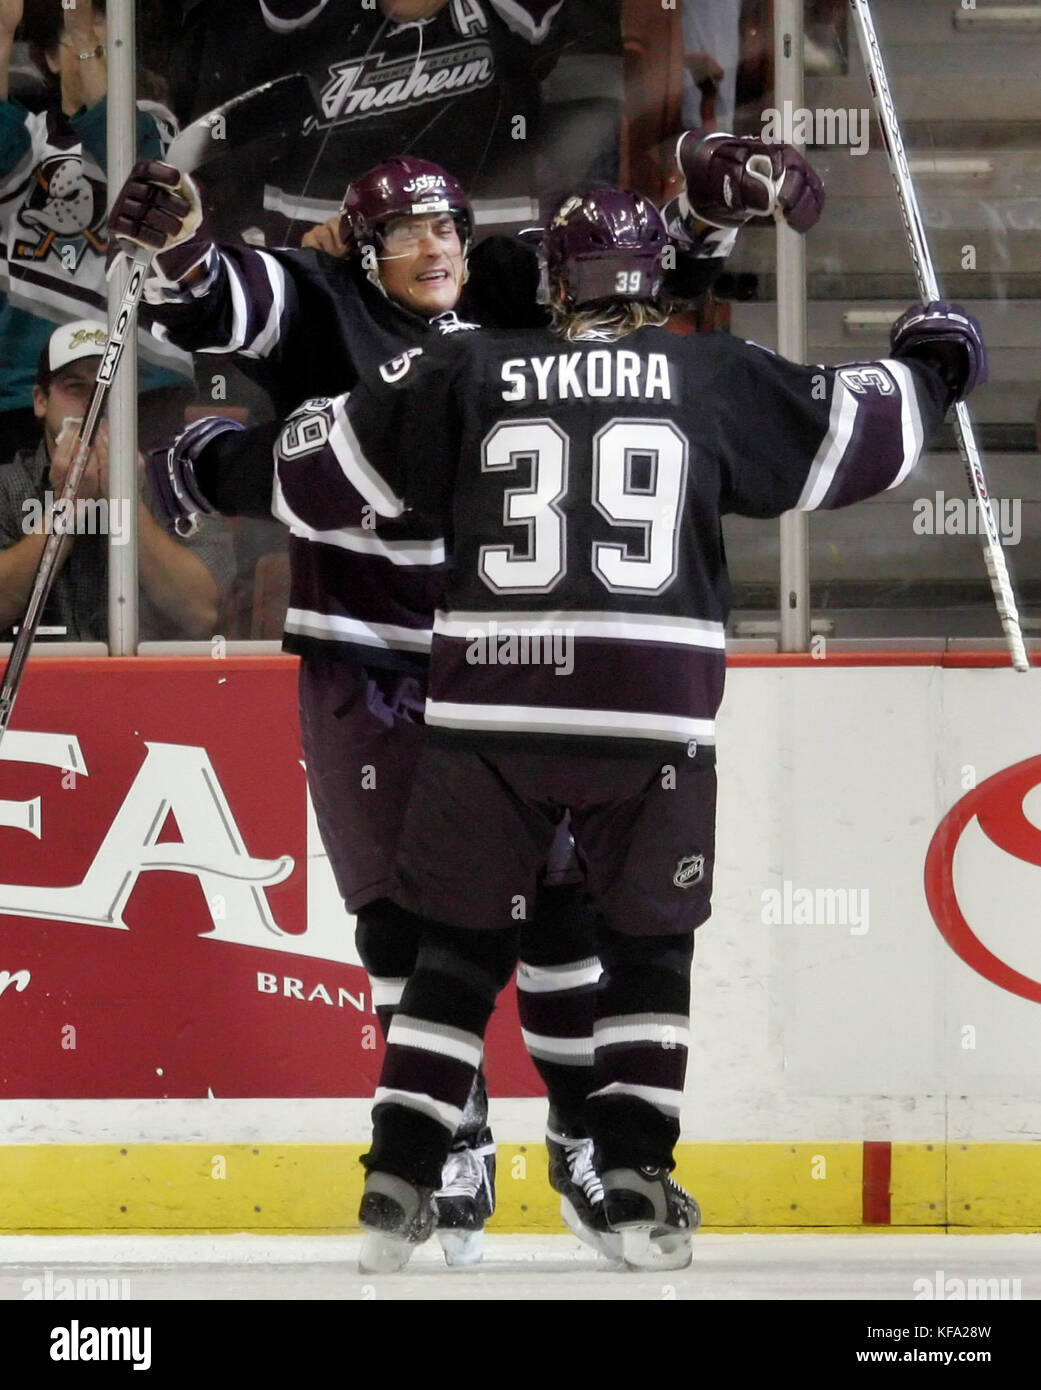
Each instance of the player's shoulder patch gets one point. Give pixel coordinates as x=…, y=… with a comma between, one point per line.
x=399, y=366
x=306, y=428
x=866, y=378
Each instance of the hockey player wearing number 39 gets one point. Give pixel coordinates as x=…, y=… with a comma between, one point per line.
x=581, y=474
x=362, y=600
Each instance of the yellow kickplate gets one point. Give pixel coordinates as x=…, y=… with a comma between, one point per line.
x=317, y=1187
x=919, y=1185
x=994, y=1184
x=259, y=1187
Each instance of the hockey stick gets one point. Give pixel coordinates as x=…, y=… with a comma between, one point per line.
x=260, y=111
x=925, y=275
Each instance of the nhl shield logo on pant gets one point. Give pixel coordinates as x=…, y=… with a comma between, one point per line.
x=689, y=871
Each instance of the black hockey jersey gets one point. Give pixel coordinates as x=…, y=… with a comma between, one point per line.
x=362, y=593
x=459, y=88
x=301, y=323
x=305, y=324
x=579, y=487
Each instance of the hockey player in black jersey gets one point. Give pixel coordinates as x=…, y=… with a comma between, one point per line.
x=364, y=598
x=577, y=664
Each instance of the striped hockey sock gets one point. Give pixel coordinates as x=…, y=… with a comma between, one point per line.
x=387, y=938
x=556, y=998
x=641, y=1039
x=434, y=1046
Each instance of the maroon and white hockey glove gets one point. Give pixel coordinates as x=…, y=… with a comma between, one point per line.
x=730, y=179
x=160, y=209
x=947, y=337
x=170, y=469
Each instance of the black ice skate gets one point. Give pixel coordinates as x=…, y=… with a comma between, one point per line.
x=653, y=1215
x=466, y=1197
x=572, y=1173
x=395, y=1216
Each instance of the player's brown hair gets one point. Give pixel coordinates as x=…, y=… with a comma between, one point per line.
x=608, y=319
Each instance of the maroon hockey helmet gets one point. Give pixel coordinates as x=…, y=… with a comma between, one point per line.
x=606, y=244
x=401, y=187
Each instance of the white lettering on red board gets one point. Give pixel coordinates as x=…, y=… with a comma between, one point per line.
x=175, y=779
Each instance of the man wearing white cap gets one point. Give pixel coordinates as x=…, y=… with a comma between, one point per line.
x=181, y=583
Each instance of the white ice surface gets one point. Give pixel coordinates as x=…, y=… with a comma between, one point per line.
x=516, y=1267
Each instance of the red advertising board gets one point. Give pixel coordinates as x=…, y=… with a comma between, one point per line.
x=168, y=922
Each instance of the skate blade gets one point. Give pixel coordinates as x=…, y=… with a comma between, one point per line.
x=640, y=1250
x=610, y=1246
x=461, y=1248
x=384, y=1254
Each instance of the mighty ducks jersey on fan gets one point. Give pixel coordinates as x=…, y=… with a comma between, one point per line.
x=53, y=238
x=580, y=488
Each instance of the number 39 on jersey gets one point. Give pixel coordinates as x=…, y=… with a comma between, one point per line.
x=639, y=480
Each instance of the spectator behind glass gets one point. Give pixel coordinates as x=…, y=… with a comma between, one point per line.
x=182, y=583
x=711, y=55
x=53, y=199
x=582, y=104
x=451, y=81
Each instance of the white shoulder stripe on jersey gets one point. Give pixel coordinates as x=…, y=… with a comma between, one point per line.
x=547, y=719
x=832, y=450
x=305, y=622
x=267, y=339
x=517, y=18
x=239, y=313
x=356, y=468
x=358, y=539
x=421, y=554
x=261, y=343
x=910, y=417
x=622, y=627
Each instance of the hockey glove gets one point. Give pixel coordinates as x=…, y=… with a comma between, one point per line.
x=730, y=179
x=160, y=209
x=170, y=468
x=947, y=337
